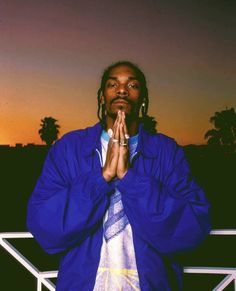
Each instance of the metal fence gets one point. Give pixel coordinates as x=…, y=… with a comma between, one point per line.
x=43, y=277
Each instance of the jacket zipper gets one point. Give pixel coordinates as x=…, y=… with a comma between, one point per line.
x=133, y=158
x=100, y=157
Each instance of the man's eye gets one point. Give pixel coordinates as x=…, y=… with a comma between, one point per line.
x=133, y=85
x=111, y=85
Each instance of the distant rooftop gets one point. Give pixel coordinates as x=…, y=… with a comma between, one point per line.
x=20, y=145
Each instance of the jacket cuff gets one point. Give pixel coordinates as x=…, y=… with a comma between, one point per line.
x=91, y=185
x=126, y=181
x=101, y=185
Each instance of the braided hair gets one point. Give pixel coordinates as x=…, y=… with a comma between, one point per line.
x=149, y=122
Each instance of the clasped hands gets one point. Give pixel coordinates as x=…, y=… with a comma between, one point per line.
x=117, y=158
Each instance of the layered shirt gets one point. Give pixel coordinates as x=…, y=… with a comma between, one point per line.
x=117, y=267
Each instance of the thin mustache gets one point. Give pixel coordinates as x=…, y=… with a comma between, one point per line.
x=122, y=99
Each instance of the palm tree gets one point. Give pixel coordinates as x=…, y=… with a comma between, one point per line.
x=49, y=130
x=224, y=132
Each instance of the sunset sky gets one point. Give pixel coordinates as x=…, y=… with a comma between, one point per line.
x=53, y=52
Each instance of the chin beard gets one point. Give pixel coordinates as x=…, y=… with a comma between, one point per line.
x=129, y=117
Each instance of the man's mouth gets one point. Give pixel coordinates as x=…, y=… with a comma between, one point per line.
x=120, y=101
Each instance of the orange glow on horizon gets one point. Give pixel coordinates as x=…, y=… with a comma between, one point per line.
x=53, y=56
x=26, y=131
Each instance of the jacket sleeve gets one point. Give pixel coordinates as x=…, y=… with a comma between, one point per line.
x=172, y=215
x=63, y=212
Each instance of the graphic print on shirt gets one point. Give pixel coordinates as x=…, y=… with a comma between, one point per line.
x=117, y=279
x=117, y=267
x=117, y=220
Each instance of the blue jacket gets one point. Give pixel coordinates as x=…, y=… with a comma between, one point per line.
x=167, y=210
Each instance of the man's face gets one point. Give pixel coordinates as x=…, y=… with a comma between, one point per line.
x=122, y=92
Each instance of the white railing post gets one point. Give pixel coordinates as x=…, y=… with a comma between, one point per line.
x=39, y=285
x=22, y=260
x=224, y=283
x=43, y=277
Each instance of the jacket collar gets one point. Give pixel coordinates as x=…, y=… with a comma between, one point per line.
x=146, y=141
x=92, y=139
x=147, y=144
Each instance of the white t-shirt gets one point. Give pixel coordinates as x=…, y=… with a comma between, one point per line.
x=117, y=268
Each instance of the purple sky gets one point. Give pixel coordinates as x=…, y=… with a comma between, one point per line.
x=52, y=55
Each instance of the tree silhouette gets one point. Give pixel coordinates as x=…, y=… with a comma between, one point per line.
x=49, y=130
x=224, y=132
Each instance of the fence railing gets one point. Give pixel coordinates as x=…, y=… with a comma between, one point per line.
x=43, y=277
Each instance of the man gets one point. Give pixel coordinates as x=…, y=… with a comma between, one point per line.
x=117, y=199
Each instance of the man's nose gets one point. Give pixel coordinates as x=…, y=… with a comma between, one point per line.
x=122, y=90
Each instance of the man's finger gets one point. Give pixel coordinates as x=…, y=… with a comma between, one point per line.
x=116, y=135
x=122, y=135
x=114, y=128
x=123, y=140
x=126, y=134
x=116, y=121
x=125, y=126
